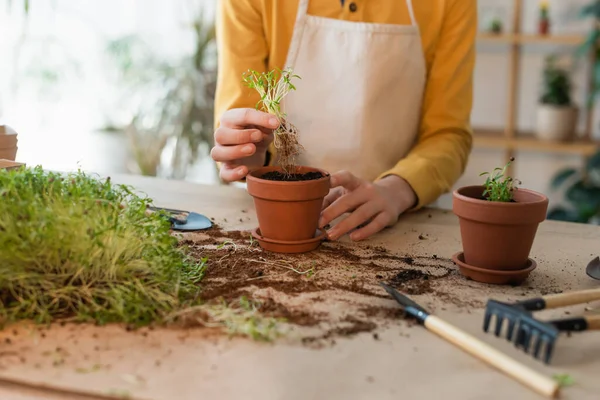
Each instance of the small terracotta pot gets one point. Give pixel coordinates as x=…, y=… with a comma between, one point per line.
x=288, y=210
x=498, y=235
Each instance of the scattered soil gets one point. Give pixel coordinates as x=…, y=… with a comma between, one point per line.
x=334, y=290
x=279, y=176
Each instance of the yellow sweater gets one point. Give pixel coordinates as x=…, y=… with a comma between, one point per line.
x=255, y=34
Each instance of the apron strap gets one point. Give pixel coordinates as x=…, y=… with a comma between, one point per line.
x=297, y=33
x=411, y=12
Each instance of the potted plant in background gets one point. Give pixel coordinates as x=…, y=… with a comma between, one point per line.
x=288, y=198
x=495, y=26
x=581, y=193
x=498, y=224
x=556, y=114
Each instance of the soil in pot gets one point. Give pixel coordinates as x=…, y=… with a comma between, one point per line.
x=288, y=206
x=282, y=177
x=498, y=235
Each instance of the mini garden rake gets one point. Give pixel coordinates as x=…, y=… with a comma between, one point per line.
x=534, y=336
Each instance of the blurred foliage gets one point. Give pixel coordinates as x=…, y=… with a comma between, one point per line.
x=582, y=193
x=25, y=5
x=592, y=11
x=582, y=187
x=175, y=100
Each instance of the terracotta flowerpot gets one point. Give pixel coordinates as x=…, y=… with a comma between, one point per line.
x=288, y=211
x=498, y=235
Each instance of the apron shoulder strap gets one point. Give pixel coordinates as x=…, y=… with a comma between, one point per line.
x=297, y=33
x=411, y=12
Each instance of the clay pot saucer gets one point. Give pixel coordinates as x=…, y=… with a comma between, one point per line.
x=282, y=246
x=495, y=277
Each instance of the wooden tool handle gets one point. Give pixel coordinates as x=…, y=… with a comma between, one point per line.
x=572, y=298
x=593, y=323
x=528, y=377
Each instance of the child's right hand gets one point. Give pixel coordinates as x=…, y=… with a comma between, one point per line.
x=241, y=141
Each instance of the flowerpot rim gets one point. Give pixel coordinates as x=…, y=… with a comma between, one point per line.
x=254, y=176
x=457, y=194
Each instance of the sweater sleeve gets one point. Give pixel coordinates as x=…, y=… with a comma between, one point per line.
x=242, y=45
x=444, y=141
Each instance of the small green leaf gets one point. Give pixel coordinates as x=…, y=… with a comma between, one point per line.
x=564, y=379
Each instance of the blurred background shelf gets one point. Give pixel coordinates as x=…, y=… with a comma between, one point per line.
x=496, y=139
x=509, y=138
x=574, y=40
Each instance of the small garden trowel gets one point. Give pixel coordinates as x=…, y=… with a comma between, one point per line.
x=593, y=269
x=191, y=222
x=475, y=347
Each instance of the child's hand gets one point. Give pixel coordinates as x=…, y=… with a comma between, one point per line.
x=241, y=141
x=373, y=206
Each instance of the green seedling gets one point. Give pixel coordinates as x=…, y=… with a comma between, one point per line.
x=273, y=86
x=564, y=380
x=81, y=249
x=241, y=317
x=498, y=186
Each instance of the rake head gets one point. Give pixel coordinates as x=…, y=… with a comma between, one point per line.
x=532, y=336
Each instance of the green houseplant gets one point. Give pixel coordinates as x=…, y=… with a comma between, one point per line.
x=581, y=193
x=556, y=113
x=498, y=224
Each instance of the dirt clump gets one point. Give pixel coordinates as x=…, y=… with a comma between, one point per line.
x=412, y=281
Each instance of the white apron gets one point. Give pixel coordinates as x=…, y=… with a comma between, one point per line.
x=358, y=103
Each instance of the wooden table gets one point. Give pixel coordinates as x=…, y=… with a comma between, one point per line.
x=170, y=364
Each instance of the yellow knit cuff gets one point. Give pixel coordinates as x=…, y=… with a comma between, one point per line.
x=420, y=176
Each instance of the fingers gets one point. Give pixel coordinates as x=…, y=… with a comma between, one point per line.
x=232, y=153
x=378, y=223
x=229, y=136
x=232, y=172
x=240, y=118
x=346, y=203
x=346, y=180
x=333, y=195
x=358, y=217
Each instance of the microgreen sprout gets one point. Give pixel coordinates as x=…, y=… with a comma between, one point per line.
x=498, y=186
x=564, y=380
x=273, y=86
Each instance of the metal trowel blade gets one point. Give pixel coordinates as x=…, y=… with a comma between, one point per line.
x=593, y=269
x=193, y=222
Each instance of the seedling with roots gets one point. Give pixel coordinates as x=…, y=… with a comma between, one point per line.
x=497, y=188
x=272, y=87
